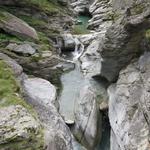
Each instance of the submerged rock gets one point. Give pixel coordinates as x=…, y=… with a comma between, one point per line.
x=15, y=26
x=128, y=107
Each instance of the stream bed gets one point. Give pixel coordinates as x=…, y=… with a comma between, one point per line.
x=72, y=83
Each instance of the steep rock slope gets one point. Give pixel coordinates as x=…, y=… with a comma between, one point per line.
x=122, y=41
x=128, y=107
x=19, y=125
x=129, y=96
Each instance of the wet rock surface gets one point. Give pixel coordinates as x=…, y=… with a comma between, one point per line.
x=91, y=60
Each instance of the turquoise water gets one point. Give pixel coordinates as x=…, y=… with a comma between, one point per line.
x=82, y=28
x=72, y=83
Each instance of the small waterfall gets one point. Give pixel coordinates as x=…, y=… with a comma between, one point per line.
x=79, y=49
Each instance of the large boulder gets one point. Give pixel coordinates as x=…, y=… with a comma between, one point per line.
x=45, y=65
x=87, y=128
x=15, y=26
x=17, y=69
x=21, y=49
x=19, y=126
x=90, y=60
x=66, y=42
x=19, y=129
x=129, y=107
x=122, y=43
x=42, y=95
x=41, y=90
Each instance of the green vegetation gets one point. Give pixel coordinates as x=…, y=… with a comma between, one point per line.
x=7, y=37
x=44, y=42
x=78, y=30
x=137, y=9
x=9, y=88
x=45, y=5
x=147, y=34
x=4, y=16
x=10, y=95
x=34, y=143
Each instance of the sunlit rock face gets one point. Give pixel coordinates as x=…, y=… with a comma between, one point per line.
x=128, y=107
x=87, y=127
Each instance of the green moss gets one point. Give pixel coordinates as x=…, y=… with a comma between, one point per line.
x=114, y=16
x=147, y=34
x=35, y=142
x=4, y=16
x=33, y=21
x=78, y=30
x=7, y=37
x=10, y=89
x=10, y=95
x=44, y=42
x=45, y=5
x=137, y=9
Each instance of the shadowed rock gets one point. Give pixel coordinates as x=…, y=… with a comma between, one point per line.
x=122, y=43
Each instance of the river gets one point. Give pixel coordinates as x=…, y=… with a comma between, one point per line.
x=72, y=82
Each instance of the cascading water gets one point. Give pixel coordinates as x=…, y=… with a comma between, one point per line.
x=72, y=83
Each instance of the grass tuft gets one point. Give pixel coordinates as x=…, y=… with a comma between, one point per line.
x=10, y=89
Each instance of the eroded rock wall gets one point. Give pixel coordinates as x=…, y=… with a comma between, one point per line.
x=128, y=107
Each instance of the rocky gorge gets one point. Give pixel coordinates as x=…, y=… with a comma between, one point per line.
x=74, y=74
